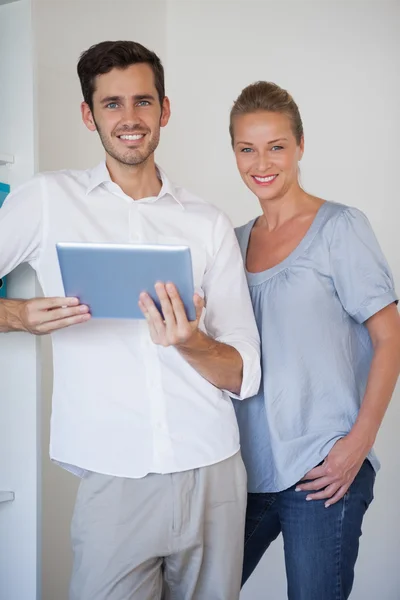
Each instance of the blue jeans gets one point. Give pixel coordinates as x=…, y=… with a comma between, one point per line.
x=321, y=544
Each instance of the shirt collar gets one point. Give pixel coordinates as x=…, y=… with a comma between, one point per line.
x=100, y=174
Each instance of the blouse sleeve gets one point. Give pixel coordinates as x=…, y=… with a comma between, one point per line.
x=360, y=272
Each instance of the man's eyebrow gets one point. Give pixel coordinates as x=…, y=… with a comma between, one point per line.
x=139, y=97
x=109, y=99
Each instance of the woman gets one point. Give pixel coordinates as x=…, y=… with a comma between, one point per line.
x=325, y=305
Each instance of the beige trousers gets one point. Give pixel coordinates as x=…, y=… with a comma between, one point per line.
x=170, y=537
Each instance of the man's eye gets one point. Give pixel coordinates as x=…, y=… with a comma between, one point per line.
x=277, y=148
x=112, y=105
x=246, y=150
x=144, y=103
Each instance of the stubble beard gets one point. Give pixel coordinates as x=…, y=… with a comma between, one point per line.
x=130, y=157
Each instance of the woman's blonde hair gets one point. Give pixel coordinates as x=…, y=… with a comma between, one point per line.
x=267, y=96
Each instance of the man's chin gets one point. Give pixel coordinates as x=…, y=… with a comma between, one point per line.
x=131, y=158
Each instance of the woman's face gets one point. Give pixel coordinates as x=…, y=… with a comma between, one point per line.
x=267, y=153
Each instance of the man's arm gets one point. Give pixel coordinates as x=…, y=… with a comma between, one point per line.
x=229, y=355
x=41, y=315
x=21, y=240
x=217, y=362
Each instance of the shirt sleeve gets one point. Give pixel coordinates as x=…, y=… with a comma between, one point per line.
x=229, y=316
x=360, y=273
x=21, y=225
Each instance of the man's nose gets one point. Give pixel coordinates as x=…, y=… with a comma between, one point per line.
x=130, y=115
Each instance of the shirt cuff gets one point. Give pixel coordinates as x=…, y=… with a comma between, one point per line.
x=251, y=368
x=374, y=305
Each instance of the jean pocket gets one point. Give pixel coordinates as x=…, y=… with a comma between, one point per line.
x=363, y=484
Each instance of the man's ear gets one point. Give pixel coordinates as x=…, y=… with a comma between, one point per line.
x=87, y=117
x=165, y=112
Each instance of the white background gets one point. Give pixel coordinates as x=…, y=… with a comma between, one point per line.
x=340, y=62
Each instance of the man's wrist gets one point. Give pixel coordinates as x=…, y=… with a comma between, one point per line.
x=196, y=343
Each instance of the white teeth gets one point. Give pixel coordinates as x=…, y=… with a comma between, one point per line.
x=131, y=137
x=265, y=179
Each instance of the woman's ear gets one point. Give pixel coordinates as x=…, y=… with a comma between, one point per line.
x=301, y=148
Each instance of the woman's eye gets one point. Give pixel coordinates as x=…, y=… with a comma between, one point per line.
x=246, y=150
x=274, y=148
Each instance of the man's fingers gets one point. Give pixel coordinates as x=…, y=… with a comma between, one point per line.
x=153, y=313
x=38, y=313
x=199, y=305
x=56, y=302
x=166, y=306
x=153, y=333
x=177, y=304
x=57, y=314
x=50, y=326
x=37, y=318
x=172, y=326
x=143, y=309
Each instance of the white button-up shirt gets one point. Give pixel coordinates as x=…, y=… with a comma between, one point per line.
x=122, y=405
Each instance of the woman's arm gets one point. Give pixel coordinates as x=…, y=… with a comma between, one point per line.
x=342, y=464
x=384, y=329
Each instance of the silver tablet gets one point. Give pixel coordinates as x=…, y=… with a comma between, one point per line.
x=110, y=277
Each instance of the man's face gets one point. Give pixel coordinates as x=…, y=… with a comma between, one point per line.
x=127, y=113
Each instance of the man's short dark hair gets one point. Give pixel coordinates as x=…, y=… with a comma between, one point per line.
x=105, y=56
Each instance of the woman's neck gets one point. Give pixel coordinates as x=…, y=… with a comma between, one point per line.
x=278, y=211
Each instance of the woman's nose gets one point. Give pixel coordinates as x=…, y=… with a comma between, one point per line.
x=264, y=163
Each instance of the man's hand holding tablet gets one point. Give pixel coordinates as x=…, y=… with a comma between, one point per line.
x=172, y=327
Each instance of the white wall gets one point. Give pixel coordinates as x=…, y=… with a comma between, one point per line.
x=339, y=59
x=19, y=419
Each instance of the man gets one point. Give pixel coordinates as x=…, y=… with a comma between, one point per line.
x=140, y=410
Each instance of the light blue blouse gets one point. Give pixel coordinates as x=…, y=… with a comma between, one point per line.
x=316, y=351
